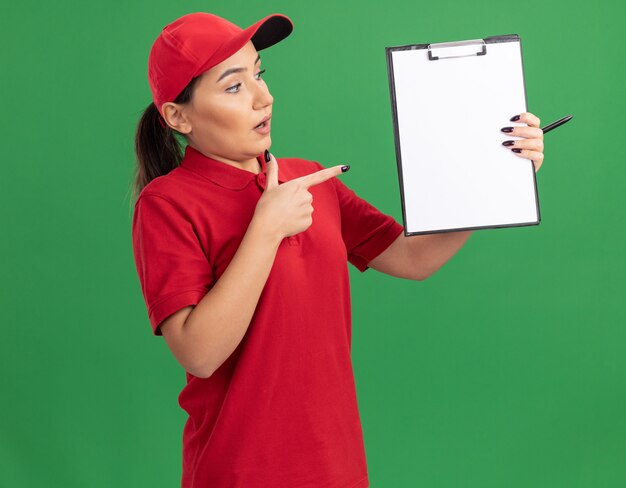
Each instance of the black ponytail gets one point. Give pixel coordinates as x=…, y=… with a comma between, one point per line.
x=158, y=148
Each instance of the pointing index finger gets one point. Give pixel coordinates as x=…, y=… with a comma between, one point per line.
x=322, y=175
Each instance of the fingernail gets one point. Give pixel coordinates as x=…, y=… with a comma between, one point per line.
x=515, y=119
x=345, y=168
x=267, y=156
x=507, y=129
x=508, y=143
x=516, y=150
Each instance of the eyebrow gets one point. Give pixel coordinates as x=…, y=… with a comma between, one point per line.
x=230, y=71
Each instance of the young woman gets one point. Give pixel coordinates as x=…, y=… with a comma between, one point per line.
x=242, y=260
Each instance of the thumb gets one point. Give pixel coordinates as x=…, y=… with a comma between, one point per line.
x=271, y=179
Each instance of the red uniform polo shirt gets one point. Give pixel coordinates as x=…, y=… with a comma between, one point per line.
x=281, y=411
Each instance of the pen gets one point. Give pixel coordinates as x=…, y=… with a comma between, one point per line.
x=554, y=125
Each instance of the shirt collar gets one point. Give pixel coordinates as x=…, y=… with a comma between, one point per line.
x=221, y=173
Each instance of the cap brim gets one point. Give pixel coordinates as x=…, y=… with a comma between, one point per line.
x=270, y=30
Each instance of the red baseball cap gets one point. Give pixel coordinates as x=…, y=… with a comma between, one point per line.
x=196, y=42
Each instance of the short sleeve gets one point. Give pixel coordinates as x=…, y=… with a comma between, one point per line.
x=173, y=270
x=366, y=231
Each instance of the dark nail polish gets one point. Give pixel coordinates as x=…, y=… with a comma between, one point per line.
x=507, y=129
x=508, y=143
x=267, y=156
x=515, y=119
x=345, y=168
x=516, y=150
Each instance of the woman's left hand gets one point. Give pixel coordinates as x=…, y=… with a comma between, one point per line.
x=530, y=146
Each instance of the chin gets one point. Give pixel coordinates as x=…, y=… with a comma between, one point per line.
x=265, y=142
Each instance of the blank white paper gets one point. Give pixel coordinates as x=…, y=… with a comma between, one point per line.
x=455, y=172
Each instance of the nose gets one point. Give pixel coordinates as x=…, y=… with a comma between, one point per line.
x=262, y=96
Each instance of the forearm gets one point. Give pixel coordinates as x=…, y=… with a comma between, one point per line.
x=430, y=252
x=418, y=257
x=219, y=321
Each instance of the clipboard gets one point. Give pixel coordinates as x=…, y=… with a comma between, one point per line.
x=449, y=101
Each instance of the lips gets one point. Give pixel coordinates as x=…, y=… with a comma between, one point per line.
x=265, y=119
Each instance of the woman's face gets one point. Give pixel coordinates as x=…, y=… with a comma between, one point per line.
x=228, y=102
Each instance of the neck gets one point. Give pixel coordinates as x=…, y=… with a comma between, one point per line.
x=251, y=165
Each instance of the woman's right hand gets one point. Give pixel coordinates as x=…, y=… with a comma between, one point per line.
x=286, y=209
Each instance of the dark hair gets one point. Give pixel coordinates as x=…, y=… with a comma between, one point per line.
x=158, y=149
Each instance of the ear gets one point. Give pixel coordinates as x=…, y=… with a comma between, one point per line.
x=175, y=117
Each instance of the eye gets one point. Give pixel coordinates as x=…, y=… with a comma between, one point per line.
x=230, y=90
x=235, y=88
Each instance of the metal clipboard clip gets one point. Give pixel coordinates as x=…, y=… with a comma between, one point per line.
x=458, y=49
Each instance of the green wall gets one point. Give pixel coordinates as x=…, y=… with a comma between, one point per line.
x=505, y=369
